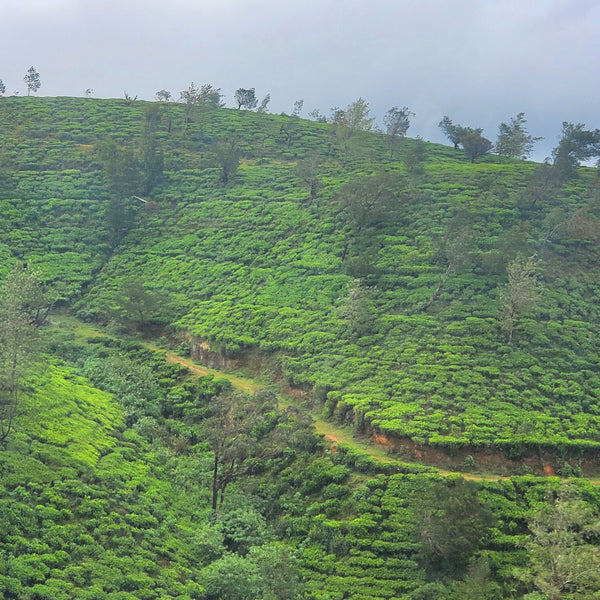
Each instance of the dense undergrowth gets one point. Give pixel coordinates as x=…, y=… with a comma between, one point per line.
x=107, y=498
x=381, y=289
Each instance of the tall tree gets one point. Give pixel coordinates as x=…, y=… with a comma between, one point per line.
x=454, y=251
x=474, y=144
x=246, y=98
x=349, y=124
x=124, y=179
x=32, y=80
x=151, y=164
x=513, y=139
x=564, y=560
x=397, y=122
x=2, y=87
x=227, y=155
x=163, y=96
x=308, y=173
x=363, y=203
x=241, y=431
x=451, y=131
x=520, y=293
x=576, y=144
x=24, y=305
x=451, y=525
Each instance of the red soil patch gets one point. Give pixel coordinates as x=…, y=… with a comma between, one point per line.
x=382, y=440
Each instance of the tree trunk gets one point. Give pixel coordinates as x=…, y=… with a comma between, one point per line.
x=215, y=483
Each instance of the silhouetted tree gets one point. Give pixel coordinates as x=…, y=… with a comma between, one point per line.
x=451, y=131
x=576, y=144
x=246, y=98
x=397, y=122
x=163, y=96
x=262, y=107
x=474, y=144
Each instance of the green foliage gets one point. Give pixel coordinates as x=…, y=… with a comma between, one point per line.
x=452, y=526
x=255, y=272
x=513, y=139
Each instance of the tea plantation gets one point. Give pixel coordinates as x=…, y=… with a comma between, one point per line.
x=444, y=306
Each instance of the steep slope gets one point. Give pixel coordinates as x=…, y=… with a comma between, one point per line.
x=363, y=294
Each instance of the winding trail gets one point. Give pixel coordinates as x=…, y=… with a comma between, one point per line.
x=334, y=434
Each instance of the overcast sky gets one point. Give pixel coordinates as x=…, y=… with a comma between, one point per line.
x=478, y=61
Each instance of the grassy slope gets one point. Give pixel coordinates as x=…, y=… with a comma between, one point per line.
x=85, y=506
x=252, y=265
x=90, y=510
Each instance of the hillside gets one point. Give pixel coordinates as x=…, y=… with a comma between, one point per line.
x=338, y=294
x=442, y=308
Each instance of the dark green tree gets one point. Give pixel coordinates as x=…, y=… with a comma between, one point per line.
x=241, y=431
x=414, y=155
x=152, y=117
x=152, y=164
x=246, y=98
x=451, y=131
x=564, y=556
x=124, y=179
x=227, y=155
x=397, y=122
x=363, y=203
x=308, y=173
x=2, y=87
x=454, y=251
x=474, y=144
x=121, y=169
x=452, y=524
x=137, y=306
x=576, y=144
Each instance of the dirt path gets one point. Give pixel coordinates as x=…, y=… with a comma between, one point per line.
x=334, y=434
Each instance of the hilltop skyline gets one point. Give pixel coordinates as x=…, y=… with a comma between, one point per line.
x=478, y=62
